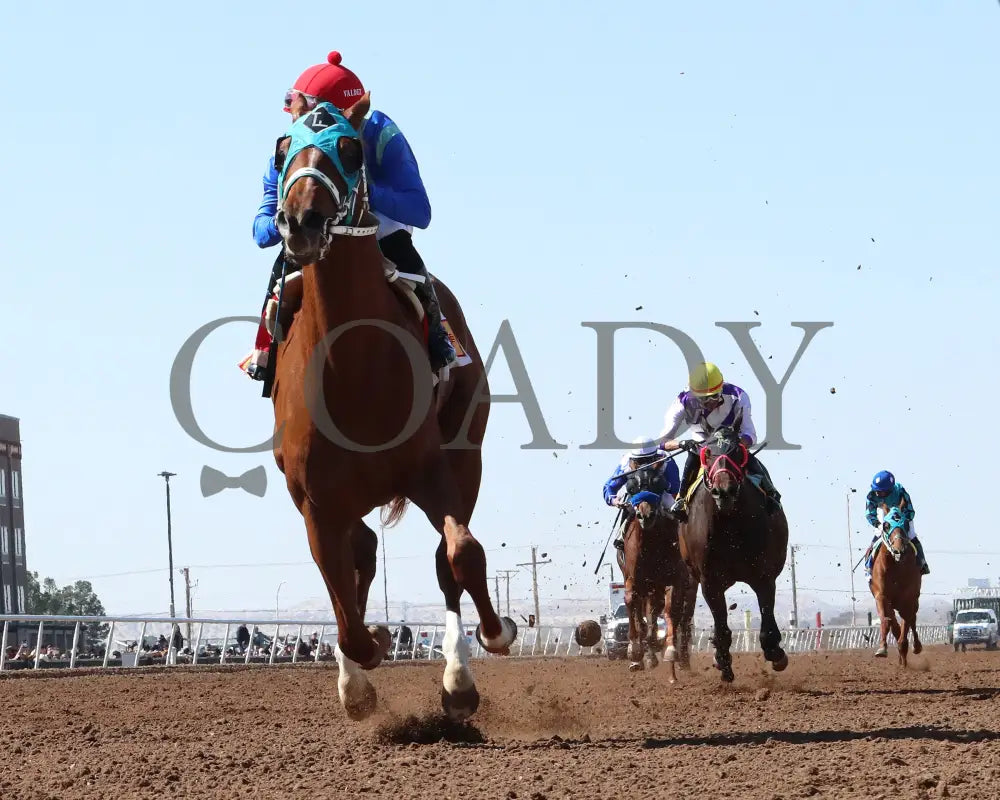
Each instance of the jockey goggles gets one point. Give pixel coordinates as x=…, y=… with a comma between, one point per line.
x=710, y=401
x=311, y=101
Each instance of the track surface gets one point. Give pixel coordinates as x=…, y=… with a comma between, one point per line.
x=837, y=726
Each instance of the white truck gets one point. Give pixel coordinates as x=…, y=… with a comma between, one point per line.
x=975, y=626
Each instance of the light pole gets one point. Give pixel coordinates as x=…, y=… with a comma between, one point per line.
x=276, y=595
x=850, y=560
x=170, y=545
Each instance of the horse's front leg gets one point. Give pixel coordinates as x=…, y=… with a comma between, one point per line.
x=715, y=596
x=633, y=601
x=358, y=648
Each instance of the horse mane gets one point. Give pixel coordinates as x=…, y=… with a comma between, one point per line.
x=393, y=511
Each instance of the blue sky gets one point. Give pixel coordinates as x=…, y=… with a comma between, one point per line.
x=708, y=163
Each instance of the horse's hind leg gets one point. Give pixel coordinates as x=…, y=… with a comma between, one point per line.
x=461, y=565
x=917, y=646
x=674, y=605
x=715, y=597
x=365, y=545
x=654, y=609
x=634, y=604
x=770, y=635
x=902, y=639
x=459, y=696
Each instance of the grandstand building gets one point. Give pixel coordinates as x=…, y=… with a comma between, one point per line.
x=13, y=569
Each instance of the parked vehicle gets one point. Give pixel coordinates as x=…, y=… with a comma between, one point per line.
x=975, y=626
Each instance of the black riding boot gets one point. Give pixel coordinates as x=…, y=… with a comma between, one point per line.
x=255, y=371
x=679, y=509
x=924, y=569
x=773, y=498
x=398, y=248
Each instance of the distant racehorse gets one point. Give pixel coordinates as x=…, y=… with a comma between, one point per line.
x=655, y=577
x=895, y=584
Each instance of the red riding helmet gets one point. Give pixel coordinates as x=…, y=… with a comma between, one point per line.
x=329, y=82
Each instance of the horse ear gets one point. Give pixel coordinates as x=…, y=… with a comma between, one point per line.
x=351, y=153
x=355, y=115
x=281, y=151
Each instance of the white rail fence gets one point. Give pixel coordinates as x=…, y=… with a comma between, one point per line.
x=215, y=641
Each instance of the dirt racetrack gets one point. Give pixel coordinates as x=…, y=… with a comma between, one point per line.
x=837, y=726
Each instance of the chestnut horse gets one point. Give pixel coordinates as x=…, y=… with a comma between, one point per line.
x=730, y=537
x=656, y=577
x=358, y=421
x=895, y=584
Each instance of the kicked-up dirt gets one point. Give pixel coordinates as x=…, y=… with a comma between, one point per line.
x=842, y=725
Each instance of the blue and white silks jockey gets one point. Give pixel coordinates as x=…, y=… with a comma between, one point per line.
x=887, y=493
x=616, y=488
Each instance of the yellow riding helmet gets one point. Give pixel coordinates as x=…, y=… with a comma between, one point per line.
x=705, y=380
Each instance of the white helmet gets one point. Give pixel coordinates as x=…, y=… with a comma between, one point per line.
x=643, y=448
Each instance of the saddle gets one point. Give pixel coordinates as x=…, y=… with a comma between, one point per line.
x=402, y=282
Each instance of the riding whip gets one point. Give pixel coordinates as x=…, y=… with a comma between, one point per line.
x=614, y=527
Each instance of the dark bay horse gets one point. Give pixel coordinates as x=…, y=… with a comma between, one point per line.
x=656, y=577
x=895, y=584
x=730, y=537
x=359, y=423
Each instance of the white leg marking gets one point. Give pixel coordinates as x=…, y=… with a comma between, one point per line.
x=352, y=683
x=504, y=639
x=457, y=675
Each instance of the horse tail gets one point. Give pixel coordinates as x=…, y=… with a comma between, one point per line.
x=393, y=511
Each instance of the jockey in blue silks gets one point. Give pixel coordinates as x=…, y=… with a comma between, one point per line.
x=396, y=196
x=886, y=491
x=617, y=487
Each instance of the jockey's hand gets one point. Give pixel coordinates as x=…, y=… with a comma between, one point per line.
x=671, y=444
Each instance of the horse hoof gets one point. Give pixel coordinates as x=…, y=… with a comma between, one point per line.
x=882, y=652
x=651, y=661
x=781, y=663
x=670, y=655
x=383, y=638
x=461, y=705
x=359, y=703
x=917, y=648
x=728, y=675
x=635, y=666
x=501, y=644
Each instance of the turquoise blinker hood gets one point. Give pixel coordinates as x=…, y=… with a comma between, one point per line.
x=321, y=128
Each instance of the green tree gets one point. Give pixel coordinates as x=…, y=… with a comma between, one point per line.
x=74, y=599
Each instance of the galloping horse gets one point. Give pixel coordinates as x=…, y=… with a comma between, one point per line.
x=656, y=577
x=358, y=422
x=895, y=584
x=730, y=537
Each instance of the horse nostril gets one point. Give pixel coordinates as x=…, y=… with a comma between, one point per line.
x=312, y=219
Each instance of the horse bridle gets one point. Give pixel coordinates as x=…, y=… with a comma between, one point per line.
x=346, y=206
x=724, y=463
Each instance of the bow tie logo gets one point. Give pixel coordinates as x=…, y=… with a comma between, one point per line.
x=253, y=481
